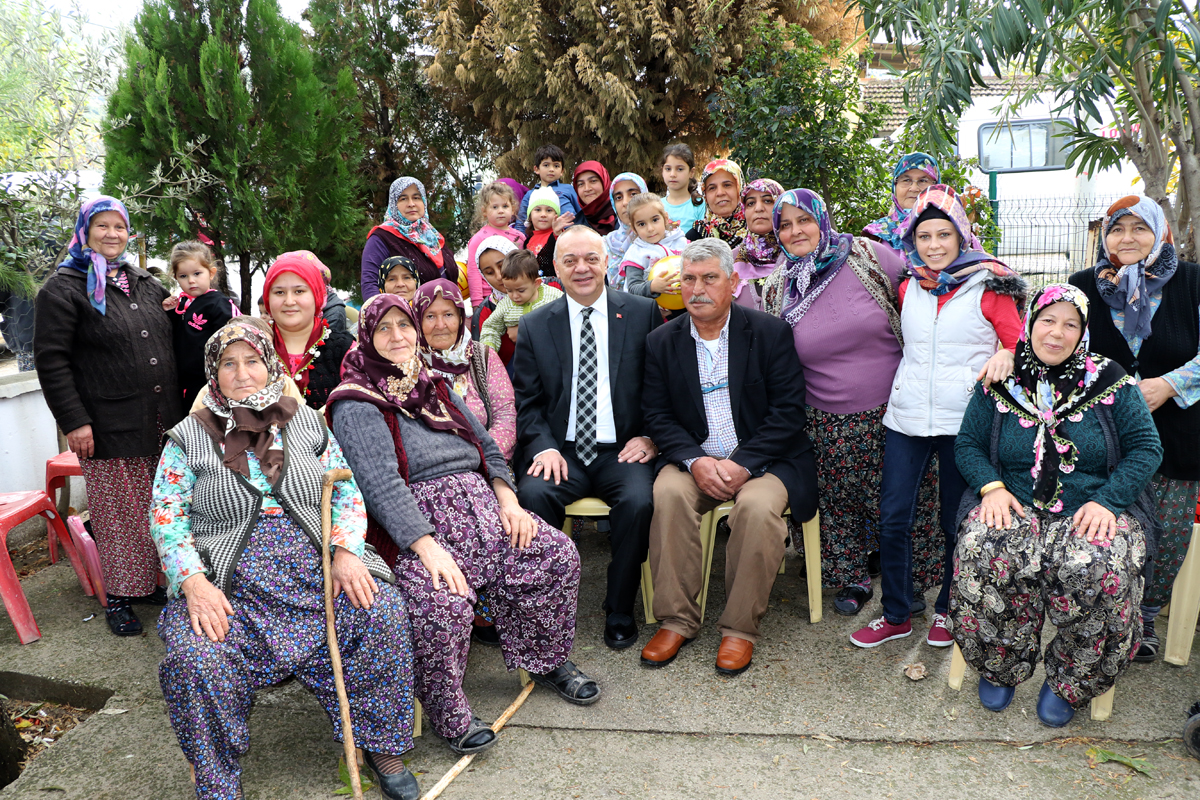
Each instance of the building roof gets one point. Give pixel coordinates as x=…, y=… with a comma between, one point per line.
x=889, y=92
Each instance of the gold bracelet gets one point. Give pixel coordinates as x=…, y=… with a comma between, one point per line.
x=987, y=487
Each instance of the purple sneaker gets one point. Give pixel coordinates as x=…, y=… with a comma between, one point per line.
x=939, y=632
x=879, y=631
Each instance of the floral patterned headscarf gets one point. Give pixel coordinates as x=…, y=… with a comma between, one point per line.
x=249, y=423
x=888, y=229
x=825, y=260
x=942, y=201
x=760, y=252
x=87, y=260
x=732, y=229
x=420, y=232
x=1127, y=287
x=406, y=388
x=453, y=361
x=1045, y=396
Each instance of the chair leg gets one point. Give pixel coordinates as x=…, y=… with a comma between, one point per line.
x=417, y=713
x=568, y=523
x=1185, y=597
x=648, y=593
x=14, y=598
x=958, y=668
x=524, y=676
x=812, y=560
x=1102, y=705
x=55, y=523
x=708, y=544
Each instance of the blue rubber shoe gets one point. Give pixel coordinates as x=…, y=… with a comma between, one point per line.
x=1052, y=710
x=993, y=697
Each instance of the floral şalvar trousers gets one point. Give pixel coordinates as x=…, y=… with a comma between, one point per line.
x=849, y=453
x=1177, y=512
x=278, y=629
x=531, y=594
x=1006, y=583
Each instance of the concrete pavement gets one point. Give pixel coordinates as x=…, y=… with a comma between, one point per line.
x=813, y=718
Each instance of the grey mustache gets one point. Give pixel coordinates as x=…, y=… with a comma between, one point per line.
x=697, y=301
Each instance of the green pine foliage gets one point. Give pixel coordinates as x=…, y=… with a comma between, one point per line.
x=405, y=125
x=219, y=102
x=792, y=112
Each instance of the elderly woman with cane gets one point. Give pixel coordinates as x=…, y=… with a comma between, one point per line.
x=236, y=519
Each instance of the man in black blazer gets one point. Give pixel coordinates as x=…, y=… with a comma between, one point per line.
x=577, y=372
x=724, y=400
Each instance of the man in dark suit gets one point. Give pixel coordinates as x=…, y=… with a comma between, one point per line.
x=577, y=372
x=724, y=399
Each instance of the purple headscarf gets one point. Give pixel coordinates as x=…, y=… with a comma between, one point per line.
x=519, y=189
x=888, y=229
x=825, y=260
x=87, y=260
x=758, y=253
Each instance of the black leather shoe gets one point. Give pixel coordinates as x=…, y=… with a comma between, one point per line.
x=475, y=739
x=570, y=683
x=917, y=607
x=156, y=598
x=620, y=631
x=396, y=786
x=486, y=635
x=851, y=599
x=873, y=567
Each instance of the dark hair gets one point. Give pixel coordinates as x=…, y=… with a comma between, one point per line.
x=550, y=151
x=520, y=264
x=684, y=154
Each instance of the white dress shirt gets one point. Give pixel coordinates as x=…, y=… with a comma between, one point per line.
x=606, y=428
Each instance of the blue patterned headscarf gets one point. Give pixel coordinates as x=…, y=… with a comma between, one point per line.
x=1128, y=287
x=826, y=259
x=87, y=260
x=420, y=232
x=889, y=229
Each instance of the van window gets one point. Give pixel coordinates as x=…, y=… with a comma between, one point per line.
x=1023, y=146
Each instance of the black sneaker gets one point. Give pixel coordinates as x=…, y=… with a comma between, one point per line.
x=851, y=599
x=121, y=619
x=873, y=567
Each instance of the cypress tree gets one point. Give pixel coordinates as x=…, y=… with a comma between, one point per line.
x=223, y=107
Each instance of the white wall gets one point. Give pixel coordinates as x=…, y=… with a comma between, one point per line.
x=28, y=437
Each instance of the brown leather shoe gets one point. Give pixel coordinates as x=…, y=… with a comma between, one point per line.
x=662, y=648
x=734, y=656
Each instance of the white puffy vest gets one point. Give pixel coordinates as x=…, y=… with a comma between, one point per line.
x=942, y=355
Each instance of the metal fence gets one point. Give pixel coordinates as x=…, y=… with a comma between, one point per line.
x=1048, y=238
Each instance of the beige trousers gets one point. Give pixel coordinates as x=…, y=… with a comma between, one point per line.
x=756, y=544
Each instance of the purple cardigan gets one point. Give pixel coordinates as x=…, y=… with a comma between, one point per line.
x=381, y=246
x=846, y=345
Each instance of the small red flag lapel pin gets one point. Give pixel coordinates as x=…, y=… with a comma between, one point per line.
x=619, y=316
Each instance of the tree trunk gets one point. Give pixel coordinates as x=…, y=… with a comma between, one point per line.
x=12, y=751
x=248, y=299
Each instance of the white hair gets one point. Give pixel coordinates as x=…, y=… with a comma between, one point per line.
x=706, y=249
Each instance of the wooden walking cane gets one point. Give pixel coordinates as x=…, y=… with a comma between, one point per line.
x=331, y=477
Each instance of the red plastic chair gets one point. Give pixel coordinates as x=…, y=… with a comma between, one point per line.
x=15, y=508
x=58, y=469
x=85, y=545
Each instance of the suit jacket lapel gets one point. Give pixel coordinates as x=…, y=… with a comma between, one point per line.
x=685, y=355
x=559, y=326
x=739, y=354
x=616, y=334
